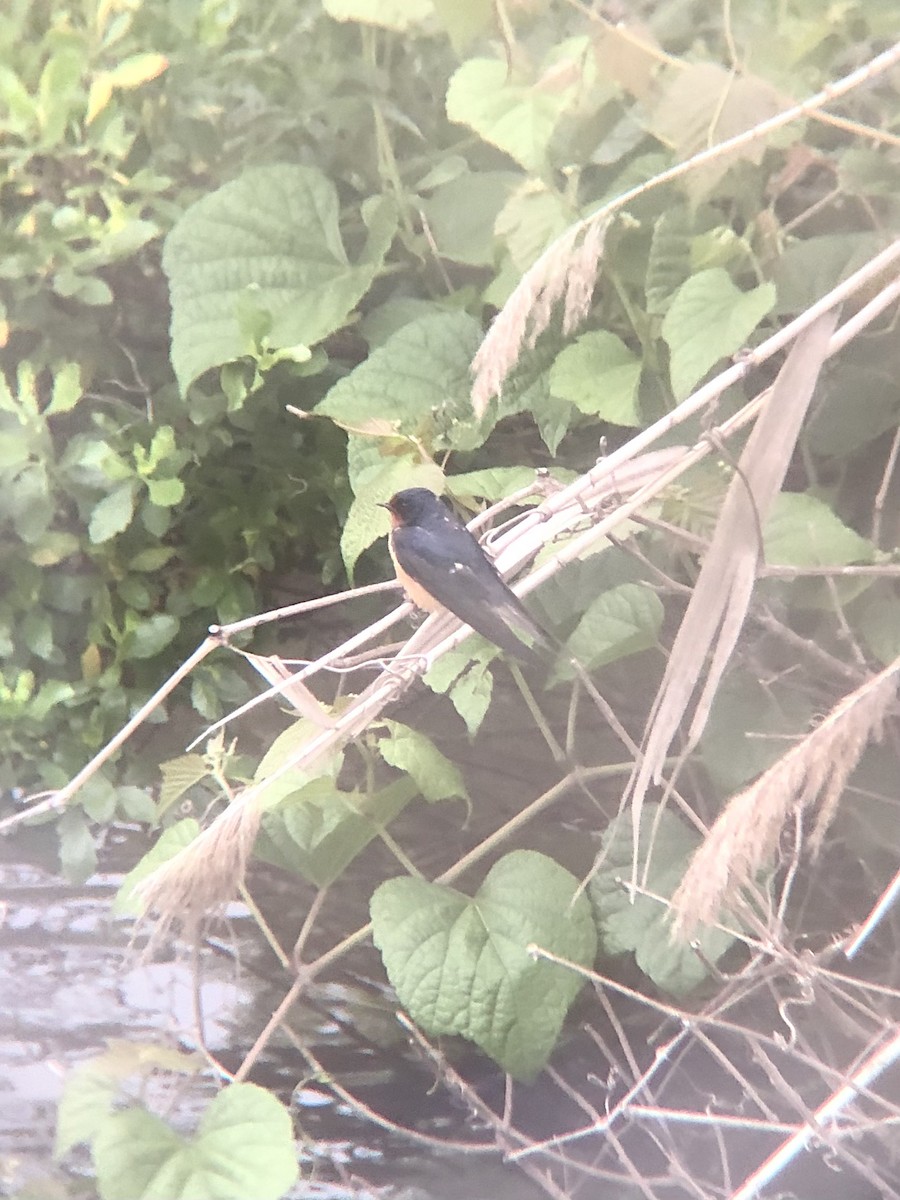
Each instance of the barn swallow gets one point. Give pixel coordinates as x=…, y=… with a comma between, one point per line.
x=441, y=565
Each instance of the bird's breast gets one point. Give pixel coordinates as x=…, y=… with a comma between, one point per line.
x=419, y=595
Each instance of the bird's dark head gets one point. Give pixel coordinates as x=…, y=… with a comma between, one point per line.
x=414, y=506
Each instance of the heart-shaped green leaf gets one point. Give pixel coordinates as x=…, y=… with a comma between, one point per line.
x=264, y=255
x=461, y=965
x=243, y=1147
x=710, y=319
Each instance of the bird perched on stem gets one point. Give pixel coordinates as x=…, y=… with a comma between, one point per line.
x=441, y=565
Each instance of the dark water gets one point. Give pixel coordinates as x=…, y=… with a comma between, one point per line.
x=72, y=980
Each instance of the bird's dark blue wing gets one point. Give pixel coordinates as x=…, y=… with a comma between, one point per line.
x=448, y=564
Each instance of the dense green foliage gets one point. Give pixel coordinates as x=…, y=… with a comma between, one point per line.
x=212, y=210
x=139, y=506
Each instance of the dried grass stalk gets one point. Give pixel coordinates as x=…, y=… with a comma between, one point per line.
x=568, y=269
x=201, y=879
x=582, y=275
x=294, y=691
x=718, y=607
x=744, y=838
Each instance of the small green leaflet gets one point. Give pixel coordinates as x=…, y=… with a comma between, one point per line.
x=710, y=319
x=642, y=926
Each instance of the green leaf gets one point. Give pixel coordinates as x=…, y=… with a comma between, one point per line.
x=136, y=804
x=747, y=728
x=669, y=264
x=877, y=617
x=382, y=321
x=366, y=522
x=720, y=246
x=461, y=213
x=600, y=376
x=60, y=92
x=137, y=593
x=92, y=1087
x=123, y=242
x=31, y=504
x=77, y=852
x=532, y=217
x=806, y=270
x=165, y=492
x=399, y=15
x=15, y=448
x=131, y=72
x=271, y=234
x=152, y=558
x=88, y=289
x=170, y=843
x=527, y=389
x=54, y=547
x=67, y=390
x=157, y=521
x=865, y=371
x=418, y=380
x=621, y=621
x=468, y=683
x=131, y=1150
x=147, y=638
x=802, y=531
x=436, y=777
x=37, y=633
x=21, y=110
x=285, y=749
x=553, y=418
x=178, y=776
x=517, y=118
x=26, y=399
x=243, y=1147
x=86, y=1104
x=163, y=445
x=52, y=695
x=710, y=319
x=464, y=19
x=317, y=830
x=639, y=923
x=98, y=799
x=112, y=515
x=866, y=171
x=704, y=103
x=462, y=966
x=495, y=483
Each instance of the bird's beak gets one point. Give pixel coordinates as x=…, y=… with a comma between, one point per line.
x=395, y=520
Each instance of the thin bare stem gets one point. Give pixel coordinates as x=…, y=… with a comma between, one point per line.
x=877, y=1063
x=59, y=799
